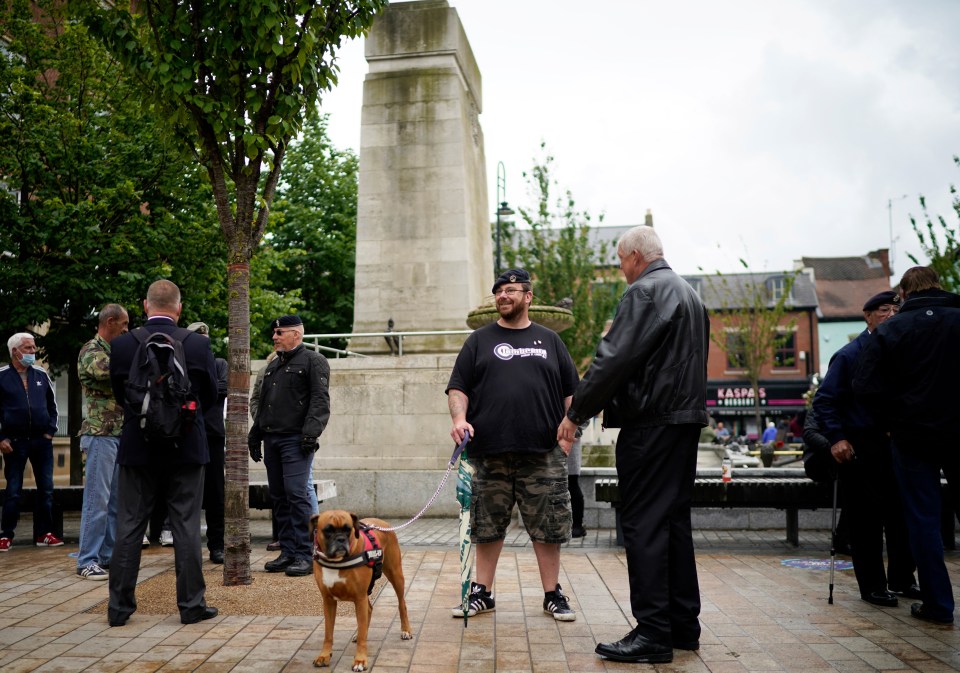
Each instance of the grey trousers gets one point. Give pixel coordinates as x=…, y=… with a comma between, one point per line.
x=181, y=486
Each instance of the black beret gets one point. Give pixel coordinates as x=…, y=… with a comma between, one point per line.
x=286, y=321
x=881, y=298
x=511, y=276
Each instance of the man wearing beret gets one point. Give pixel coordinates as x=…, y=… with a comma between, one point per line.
x=510, y=386
x=293, y=410
x=907, y=375
x=868, y=487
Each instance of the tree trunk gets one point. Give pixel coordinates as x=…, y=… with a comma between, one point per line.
x=236, y=567
x=74, y=420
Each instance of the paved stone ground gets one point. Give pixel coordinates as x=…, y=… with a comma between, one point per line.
x=758, y=615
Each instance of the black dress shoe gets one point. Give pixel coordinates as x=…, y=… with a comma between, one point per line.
x=216, y=556
x=884, y=599
x=208, y=613
x=280, y=563
x=917, y=611
x=636, y=649
x=912, y=591
x=578, y=531
x=299, y=568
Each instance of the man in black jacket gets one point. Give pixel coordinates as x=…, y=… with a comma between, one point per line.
x=907, y=374
x=649, y=377
x=172, y=469
x=293, y=410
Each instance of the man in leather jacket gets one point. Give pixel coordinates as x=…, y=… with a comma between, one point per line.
x=907, y=375
x=293, y=410
x=649, y=377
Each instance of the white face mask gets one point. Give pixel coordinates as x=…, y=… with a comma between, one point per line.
x=27, y=359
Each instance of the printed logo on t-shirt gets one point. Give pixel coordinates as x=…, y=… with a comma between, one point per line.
x=508, y=352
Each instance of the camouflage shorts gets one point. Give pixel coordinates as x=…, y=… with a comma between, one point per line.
x=536, y=482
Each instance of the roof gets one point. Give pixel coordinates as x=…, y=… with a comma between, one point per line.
x=872, y=265
x=734, y=290
x=843, y=284
x=843, y=299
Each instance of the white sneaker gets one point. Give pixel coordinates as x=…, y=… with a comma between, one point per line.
x=146, y=541
x=166, y=538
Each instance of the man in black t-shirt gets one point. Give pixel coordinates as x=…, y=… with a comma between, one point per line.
x=510, y=387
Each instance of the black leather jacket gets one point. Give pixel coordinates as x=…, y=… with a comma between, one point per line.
x=651, y=367
x=294, y=395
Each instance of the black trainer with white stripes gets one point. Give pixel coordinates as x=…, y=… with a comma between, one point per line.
x=481, y=600
x=555, y=603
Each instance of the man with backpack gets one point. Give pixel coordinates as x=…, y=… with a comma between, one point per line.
x=165, y=379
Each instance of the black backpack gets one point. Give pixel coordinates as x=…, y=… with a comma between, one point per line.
x=158, y=388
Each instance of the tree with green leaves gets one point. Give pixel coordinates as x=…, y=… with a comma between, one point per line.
x=95, y=193
x=750, y=313
x=567, y=267
x=236, y=81
x=944, y=257
x=314, y=226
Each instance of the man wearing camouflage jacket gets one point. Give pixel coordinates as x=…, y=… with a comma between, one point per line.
x=99, y=440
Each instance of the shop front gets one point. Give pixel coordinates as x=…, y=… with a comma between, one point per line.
x=733, y=403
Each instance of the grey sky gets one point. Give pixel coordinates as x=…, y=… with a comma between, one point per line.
x=756, y=129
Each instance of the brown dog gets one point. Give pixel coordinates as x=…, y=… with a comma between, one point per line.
x=338, y=541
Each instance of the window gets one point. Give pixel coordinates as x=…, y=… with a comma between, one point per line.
x=778, y=287
x=785, y=353
x=736, y=353
x=696, y=284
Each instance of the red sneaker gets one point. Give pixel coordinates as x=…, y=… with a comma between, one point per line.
x=49, y=540
x=4, y=544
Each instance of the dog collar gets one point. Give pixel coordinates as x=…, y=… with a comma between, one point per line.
x=370, y=556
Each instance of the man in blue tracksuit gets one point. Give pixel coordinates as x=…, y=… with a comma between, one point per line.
x=28, y=421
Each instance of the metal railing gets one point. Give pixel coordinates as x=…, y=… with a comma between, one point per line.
x=394, y=340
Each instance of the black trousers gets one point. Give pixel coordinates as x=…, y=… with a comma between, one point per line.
x=871, y=499
x=213, y=492
x=656, y=468
x=139, y=486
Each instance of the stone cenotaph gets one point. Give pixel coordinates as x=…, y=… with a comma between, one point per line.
x=423, y=259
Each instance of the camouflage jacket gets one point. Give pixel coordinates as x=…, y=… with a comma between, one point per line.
x=104, y=416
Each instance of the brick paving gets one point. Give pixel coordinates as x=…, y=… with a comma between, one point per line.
x=758, y=615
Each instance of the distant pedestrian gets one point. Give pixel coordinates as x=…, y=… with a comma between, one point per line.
x=99, y=441
x=28, y=422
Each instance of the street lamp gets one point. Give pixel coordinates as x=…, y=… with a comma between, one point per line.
x=890, y=223
x=503, y=210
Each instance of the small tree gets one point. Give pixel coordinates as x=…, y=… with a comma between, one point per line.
x=944, y=258
x=753, y=321
x=566, y=266
x=236, y=81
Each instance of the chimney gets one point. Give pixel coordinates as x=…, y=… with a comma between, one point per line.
x=883, y=256
x=648, y=218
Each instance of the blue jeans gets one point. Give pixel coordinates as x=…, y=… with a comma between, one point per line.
x=98, y=518
x=39, y=452
x=287, y=473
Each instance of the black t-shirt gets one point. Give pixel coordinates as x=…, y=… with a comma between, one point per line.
x=516, y=381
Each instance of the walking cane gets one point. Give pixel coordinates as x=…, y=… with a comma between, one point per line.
x=833, y=539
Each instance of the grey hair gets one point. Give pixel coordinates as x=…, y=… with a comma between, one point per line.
x=644, y=240
x=17, y=340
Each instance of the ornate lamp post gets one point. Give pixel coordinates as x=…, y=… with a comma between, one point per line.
x=503, y=210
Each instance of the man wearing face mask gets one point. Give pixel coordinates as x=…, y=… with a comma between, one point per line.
x=28, y=421
x=293, y=410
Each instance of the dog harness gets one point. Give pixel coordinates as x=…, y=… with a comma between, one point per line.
x=371, y=556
